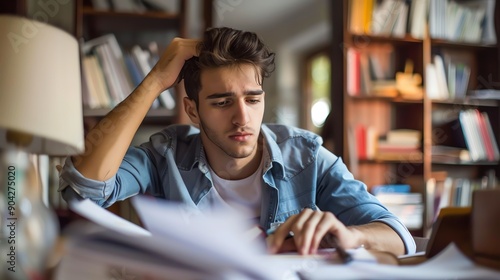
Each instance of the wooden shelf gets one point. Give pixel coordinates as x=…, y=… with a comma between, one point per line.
x=367, y=38
x=463, y=45
x=404, y=159
x=397, y=99
x=153, y=113
x=469, y=102
x=465, y=163
x=109, y=14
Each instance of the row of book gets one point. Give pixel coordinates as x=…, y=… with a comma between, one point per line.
x=463, y=21
x=441, y=190
x=470, y=138
x=387, y=17
x=109, y=75
x=446, y=191
x=454, y=20
x=397, y=144
x=406, y=205
x=447, y=77
x=479, y=136
x=371, y=71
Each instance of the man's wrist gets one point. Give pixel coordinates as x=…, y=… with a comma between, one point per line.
x=358, y=237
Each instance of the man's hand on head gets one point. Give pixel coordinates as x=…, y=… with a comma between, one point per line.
x=166, y=71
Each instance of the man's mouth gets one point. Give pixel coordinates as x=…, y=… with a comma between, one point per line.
x=241, y=136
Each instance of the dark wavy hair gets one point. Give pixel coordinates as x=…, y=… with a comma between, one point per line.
x=222, y=47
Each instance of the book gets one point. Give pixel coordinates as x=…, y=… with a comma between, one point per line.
x=442, y=153
x=361, y=141
x=112, y=62
x=491, y=136
x=101, y=87
x=391, y=188
x=471, y=136
x=90, y=88
x=399, y=198
x=462, y=21
x=406, y=205
x=418, y=15
x=441, y=77
x=432, y=87
x=353, y=72
x=167, y=99
x=484, y=135
x=404, y=136
x=109, y=73
x=488, y=26
x=357, y=16
x=399, y=29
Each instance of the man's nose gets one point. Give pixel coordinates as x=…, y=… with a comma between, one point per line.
x=241, y=115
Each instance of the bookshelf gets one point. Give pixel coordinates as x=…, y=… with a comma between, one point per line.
x=137, y=36
x=389, y=87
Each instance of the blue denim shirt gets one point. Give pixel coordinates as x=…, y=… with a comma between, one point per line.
x=299, y=173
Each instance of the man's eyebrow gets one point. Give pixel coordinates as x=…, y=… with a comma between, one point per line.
x=227, y=94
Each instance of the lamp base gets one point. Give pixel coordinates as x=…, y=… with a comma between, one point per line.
x=28, y=229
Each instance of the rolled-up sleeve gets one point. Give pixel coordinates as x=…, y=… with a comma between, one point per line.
x=351, y=202
x=135, y=175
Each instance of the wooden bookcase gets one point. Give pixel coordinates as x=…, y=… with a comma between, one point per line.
x=425, y=114
x=130, y=29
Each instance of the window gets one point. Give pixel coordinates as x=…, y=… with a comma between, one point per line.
x=317, y=99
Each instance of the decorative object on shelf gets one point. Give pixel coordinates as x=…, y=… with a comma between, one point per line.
x=409, y=83
x=40, y=113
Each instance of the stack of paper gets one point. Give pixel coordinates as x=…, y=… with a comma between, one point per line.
x=184, y=244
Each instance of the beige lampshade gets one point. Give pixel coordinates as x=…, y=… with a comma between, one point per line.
x=40, y=87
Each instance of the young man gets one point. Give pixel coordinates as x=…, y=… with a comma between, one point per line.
x=280, y=176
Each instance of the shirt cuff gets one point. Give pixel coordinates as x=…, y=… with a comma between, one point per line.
x=402, y=231
x=86, y=188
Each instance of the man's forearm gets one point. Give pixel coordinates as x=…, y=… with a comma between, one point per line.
x=107, y=143
x=379, y=236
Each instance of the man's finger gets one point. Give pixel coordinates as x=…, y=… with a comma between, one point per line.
x=304, y=237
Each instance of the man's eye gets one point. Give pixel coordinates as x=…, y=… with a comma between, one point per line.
x=253, y=101
x=221, y=103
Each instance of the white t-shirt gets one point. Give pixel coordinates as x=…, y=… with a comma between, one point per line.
x=243, y=196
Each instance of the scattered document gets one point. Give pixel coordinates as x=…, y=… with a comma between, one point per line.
x=449, y=264
x=183, y=243
x=105, y=218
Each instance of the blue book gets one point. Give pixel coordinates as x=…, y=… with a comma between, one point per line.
x=391, y=188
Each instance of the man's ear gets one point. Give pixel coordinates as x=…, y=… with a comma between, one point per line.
x=190, y=109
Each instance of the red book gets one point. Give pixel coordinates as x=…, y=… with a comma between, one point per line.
x=483, y=133
x=361, y=141
x=353, y=72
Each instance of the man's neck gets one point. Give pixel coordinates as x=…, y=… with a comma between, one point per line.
x=237, y=169
x=230, y=168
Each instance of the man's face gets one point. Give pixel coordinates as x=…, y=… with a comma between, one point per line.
x=230, y=111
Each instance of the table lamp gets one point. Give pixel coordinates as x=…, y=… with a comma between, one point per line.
x=40, y=113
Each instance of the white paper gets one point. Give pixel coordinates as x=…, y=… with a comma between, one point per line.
x=449, y=264
x=212, y=241
x=105, y=218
